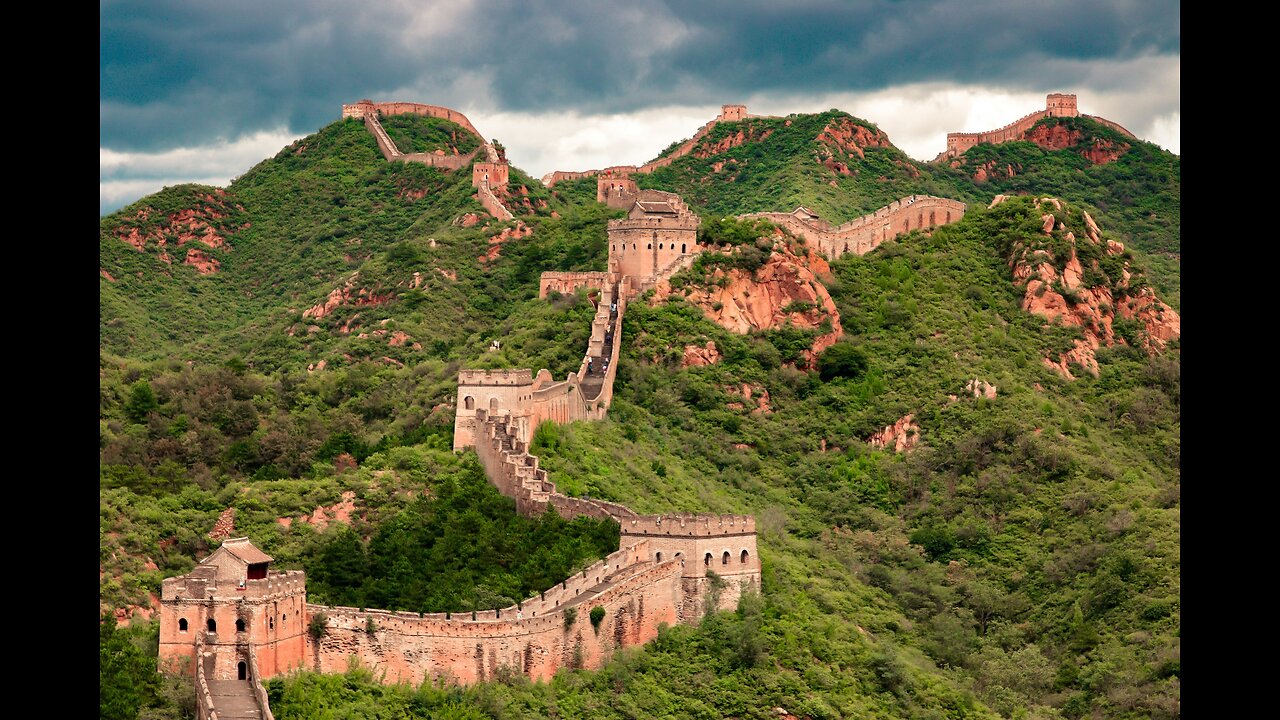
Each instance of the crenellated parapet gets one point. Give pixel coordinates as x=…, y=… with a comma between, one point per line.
x=1056, y=105
x=689, y=525
x=864, y=234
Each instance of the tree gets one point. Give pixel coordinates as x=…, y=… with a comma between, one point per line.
x=127, y=677
x=842, y=360
x=142, y=400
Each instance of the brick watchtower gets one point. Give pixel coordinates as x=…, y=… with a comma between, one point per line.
x=232, y=605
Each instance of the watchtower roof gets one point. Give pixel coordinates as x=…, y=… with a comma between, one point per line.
x=244, y=551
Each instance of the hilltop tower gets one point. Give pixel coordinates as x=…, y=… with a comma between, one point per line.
x=232, y=610
x=659, y=231
x=1061, y=105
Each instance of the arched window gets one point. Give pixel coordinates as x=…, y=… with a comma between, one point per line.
x=493, y=404
x=658, y=557
x=239, y=625
x=271, y=623
x=469, y=402
x=707, y=560
x=633, y=246
x=744, y=557
x=182, y=624
x=649, y=246
x=242, y=672
x=724, y=560
x=283, y=618
x=682, y=251
x=212, y=625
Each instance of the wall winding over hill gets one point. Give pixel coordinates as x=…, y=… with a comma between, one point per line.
x=864, y=234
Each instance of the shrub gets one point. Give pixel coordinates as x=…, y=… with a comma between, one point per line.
x=319, y=626
x=597, y=615
x=570, y=617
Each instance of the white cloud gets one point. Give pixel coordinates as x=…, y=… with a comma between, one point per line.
x=126, y=176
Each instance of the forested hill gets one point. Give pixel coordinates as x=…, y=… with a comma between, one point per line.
x=962, y=514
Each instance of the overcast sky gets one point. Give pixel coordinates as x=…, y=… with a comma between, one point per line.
x=195, y=91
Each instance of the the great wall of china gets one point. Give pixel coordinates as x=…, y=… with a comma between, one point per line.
x=669, y=568
x=864, y=234
x=614, y=186
x=485, y=175
x=1056, y=105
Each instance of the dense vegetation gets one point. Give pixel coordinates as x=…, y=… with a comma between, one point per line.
x=1022, y=560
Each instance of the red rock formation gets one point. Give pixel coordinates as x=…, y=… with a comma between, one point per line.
x=1093, y=308
x=194, y=224
x=400, y=337
x=750, y=301
x=511, y=233
x=321, y=517
x=902, y=435
x=106, y=275
x=203, y=262
x=470, y=220
x=847, y=137
x=732, y=140
x=697, y=355
x=346, y=294
x=225, y=525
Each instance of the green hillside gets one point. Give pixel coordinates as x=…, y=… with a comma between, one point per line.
x=843, y=167
x=1022, y=560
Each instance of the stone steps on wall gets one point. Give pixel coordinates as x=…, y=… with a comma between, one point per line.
x=234, y=700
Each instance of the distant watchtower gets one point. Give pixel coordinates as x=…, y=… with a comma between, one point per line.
x=1061, y=105
x=229, y=606
x=733, y=112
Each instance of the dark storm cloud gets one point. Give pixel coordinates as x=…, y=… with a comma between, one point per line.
x=183, y=73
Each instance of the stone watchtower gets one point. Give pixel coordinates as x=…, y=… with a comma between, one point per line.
x=721, y=544
x=733, y=112
x=1061, y=105
x=230, y=608
x=657, y=232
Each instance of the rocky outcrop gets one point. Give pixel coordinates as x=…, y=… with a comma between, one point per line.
x=732, y=140
x=783, y=291
x=511, y=233
x=225, y=525
x=339, y=512
x=346, y=294
x=1096, y=294
x=208, y=223
x=846, y=138
x=699, y=355
x=203, y=262
x=981, y=388
x=1059, y=137
x=902, y=436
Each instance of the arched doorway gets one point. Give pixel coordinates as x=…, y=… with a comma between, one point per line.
x=242, y=671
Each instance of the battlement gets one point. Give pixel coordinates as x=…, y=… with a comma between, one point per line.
x=495, y=377
x=864, y=234
x=655, y=223
x=691, y=525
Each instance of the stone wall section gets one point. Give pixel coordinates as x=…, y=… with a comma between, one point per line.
x=1056, y=105
x=864, y=234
